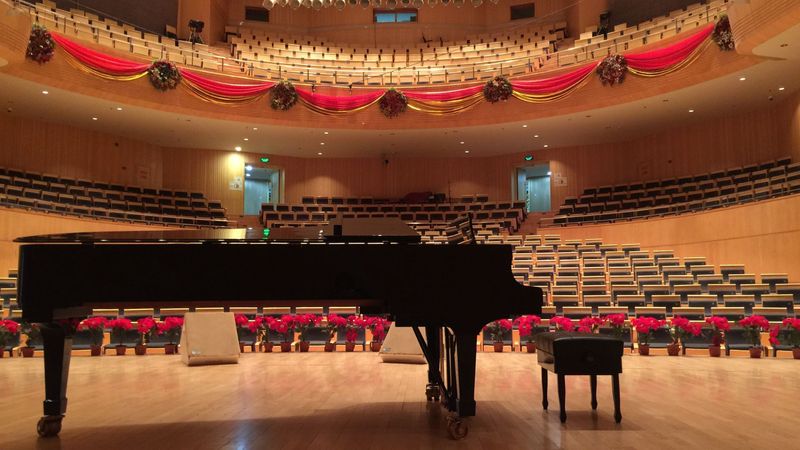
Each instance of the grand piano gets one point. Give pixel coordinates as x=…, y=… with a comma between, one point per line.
x=378, y=265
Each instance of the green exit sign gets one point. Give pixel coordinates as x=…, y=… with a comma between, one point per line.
x=265, y=160
x=528, y=157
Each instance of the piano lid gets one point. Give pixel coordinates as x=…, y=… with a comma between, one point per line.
x=386, y=230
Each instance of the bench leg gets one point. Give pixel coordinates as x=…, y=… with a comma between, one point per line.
x=615, y=386
x=544, y=388
x=562, y=398
x=593, y=385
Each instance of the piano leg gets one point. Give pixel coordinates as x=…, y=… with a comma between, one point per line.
x=593, y=386
x=544, y=389
x=431, y=348
x=57, y=349
x=464, y=378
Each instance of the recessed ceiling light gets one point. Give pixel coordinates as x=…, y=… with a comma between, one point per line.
x=237, y=148
x=324, y=132
x=245, y=139
x=94, y=118
x=319, y=153
x=781, y=88
x=462, y=142
x=524, y=126
x=691, y=110
x=549, y=173
x=45, y=92
x=119, y=108
x=742, y=78
x=321, y=143
x=545, y=146
x=255, y=128
x=248, y=167
x=536, y=135
x=466, y=151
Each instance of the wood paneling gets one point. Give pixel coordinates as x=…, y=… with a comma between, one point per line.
x=15, y=223
x=764, y=236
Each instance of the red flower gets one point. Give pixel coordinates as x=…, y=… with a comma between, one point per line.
x=145, y=325
x=9, y=326
x=774, y=332
x=120, y=324
x=241, y=320
x=646, y=326
x=756, y=322
x=562, y=323
x=615, y=320
x=526, y=324
x=719, y=323
x=589, y=324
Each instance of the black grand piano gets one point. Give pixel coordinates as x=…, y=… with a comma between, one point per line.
x=375, y=264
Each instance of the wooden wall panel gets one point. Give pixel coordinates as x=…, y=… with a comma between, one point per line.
x=765, y=236
x=207, y=171
x=16, y=223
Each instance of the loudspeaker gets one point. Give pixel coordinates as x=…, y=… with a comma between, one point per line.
x=209, y=338
x=401, y=346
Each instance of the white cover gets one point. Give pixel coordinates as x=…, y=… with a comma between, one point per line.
x=401, y=346
x=209, y=338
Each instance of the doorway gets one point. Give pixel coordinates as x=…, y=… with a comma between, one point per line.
x=533, y=187
x=261, y=185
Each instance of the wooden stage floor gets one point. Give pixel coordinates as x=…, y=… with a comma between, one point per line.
x=352, y=401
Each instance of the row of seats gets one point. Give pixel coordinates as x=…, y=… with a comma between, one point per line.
x=677, y=196
x=352, y=201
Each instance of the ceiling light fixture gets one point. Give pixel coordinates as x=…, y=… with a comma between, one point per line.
x=324, y=132
x=781, y=88
x=248, y=167
x=255, y=128
x=524, y=126
x=321, y=143
x=545, y=146
x=742, y=78
x=536, y=135
x=245, y=139
x=119, y=108
x=237, y=148
x=94, y=118
x=691, y=110
x=45, y=92
x=462, y=142
x=319, y=153
x=466, y=151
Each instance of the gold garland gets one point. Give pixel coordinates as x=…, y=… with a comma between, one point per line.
x=446, y=107
x=202, y=94
x=74, y=62
x=332, y=112
x=545, y=98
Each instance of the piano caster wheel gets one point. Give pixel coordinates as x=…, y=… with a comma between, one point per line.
x=49, y=426
x=457, y=427
x=432, y=392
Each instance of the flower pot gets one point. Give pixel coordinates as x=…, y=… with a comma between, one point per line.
x=171, y=349
x=303, y=346
x=375, y=346
x=755, y=352
x=140, y=349
x=267, y=346
x=714, y=351
x=286, y=347
x=27, y=352
x=241, y=347
x=95, y=350
x=330, y=347
x=673, y=349
x=498, y=347
x=349, y=346
x=644, y=349
x=796, y=352
x=2, y=351
x=530, y=347
x=121, y=349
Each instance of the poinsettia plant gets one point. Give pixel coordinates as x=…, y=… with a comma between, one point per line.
x=283, y=96
x=333, y=324
x=378, y=326
x=646, y=327
x=498, y=329
x=118, y=328
x=718, y=326
x=164, y=75
x=723, y=35
x=354, y=323
x=753, y=326
x=95, y=326
x=170, y=327
x=145, y=326
x=681, y=328
x=589, y=324
x=305, y=322
x=561, y=323
x=8, y=329
x=497, y=89
x=284, y=327
x=612, y=70
x=33, y=333
x=525, y=326
x=242, y=325
x=791, y=333
x=393, y=103
x=41, y=45
x=617, y=323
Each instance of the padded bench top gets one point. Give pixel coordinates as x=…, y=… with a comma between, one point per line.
x=547, y=341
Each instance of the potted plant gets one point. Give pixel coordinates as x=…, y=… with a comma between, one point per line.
x=718, y=326
x=96, y=327
x=118, y=328
x=378, y=327
x=679, y=329
x=302, y=324
x=645, y=327
x=8, y=329
x=354, y=323
x=561, y=323
x=243, y=325
x=34, y=336
x=496, y=330
x=589, y=325
x=617, y=324
x=525, y=325
x=267, y=325
x=753, y=326
x=792, y=335
x=145, y=327
x=171, y=328
x=285, y=327
x=333, y=323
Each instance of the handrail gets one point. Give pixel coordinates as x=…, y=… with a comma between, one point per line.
x=305, y=71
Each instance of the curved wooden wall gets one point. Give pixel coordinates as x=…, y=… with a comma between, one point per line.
x=15, y=223
x=765, y=236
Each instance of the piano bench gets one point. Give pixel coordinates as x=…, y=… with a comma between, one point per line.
x=579, y=354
